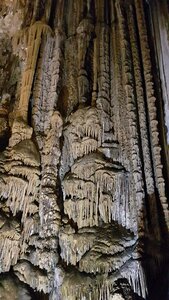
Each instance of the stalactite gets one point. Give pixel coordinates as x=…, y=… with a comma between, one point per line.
x=9, y=251
x=136, y=278
x=84, y=32
x=151, y=103
x=142, y=114
x=102, y=289
x=49, y=210
x=34, y=277
x=35, y=33
x=131, y=107
x=92, y=201
x=41, y=87
x=118, y=101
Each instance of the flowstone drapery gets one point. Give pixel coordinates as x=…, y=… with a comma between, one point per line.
x=84, y=154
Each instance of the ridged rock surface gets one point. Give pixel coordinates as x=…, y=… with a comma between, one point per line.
x=84, y=149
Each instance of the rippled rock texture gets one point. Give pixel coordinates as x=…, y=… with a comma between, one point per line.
x=84, y=153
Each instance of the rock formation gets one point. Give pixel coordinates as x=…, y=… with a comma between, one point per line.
x=84, y=149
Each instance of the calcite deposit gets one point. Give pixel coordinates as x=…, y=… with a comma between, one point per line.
x=84, y=149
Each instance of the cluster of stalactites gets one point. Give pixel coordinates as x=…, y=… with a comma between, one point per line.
x=94, y=189
x=82, y=136
x=9, y=247
x=103, y=289
x=21, y=178
x=96, y=192
x=19, y=194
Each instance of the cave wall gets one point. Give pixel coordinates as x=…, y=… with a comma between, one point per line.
x=84, y=150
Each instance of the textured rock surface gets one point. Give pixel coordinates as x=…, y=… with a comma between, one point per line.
x=84, y=155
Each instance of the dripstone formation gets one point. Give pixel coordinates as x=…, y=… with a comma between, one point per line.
x=84, y=155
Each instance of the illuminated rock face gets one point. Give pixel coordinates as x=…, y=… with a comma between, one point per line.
x=83, y=162
x=97, y=198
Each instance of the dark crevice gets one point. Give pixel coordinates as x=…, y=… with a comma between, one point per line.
x=62, y=102
x=4, y=140
x=88, y=66
x=52, y=14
